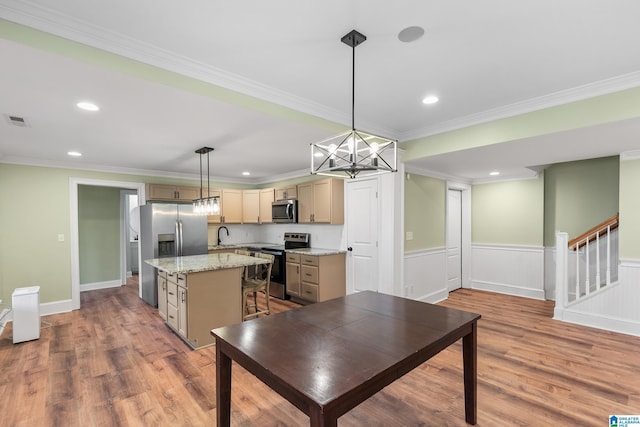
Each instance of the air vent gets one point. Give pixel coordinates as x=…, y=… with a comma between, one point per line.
x=17, y=120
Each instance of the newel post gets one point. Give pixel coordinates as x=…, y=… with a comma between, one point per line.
x=562, y=273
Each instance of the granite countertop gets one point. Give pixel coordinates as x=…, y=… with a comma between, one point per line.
x=315, y=251
x=241, y=245
x=200, y=263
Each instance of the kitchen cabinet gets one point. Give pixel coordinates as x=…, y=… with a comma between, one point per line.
x=231, y=208
x=162, y=295
x=251, y=206
x=319, y=278
x=217, y=218
x=283, y=193
x=172, y=193
x=267, y=197
x=293, y=274
x=321, y=202
x=198, y=302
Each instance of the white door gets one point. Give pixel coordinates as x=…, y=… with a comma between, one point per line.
x=454, y=239
x=362, y=235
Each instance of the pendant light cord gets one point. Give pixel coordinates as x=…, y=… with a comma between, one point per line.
x=353, y=87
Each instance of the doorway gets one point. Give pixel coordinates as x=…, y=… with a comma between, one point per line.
x=458, y=235
x=74, y=183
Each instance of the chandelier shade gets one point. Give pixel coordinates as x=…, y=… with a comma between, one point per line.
x=354, y=153
x=206, y=204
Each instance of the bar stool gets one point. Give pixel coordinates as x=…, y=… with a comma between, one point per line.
x=259, y=282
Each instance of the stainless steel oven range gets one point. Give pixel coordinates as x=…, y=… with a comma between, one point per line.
x=278, y=287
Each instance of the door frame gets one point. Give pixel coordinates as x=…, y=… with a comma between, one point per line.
x=74, y=183
x=465, y=247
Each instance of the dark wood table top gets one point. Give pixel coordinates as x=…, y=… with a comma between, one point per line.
x=325, y=352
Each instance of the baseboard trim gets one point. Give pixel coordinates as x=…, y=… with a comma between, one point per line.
x=504, y=288
x=578, y=317
x=100, y=285
x=435, y=297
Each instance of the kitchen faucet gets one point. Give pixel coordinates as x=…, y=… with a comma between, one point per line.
x=220, y=228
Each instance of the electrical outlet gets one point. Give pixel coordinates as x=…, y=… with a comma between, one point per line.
x=409, y=235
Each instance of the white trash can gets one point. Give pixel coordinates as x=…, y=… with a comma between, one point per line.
x=26, y=314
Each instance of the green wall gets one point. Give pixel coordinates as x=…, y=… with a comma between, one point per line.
x=580, y=195
x=424, y=211
x=99, y=233
x=629, y=209
x=508, y=213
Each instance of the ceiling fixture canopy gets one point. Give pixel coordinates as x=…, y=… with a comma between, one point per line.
x=354, y=152
x=209, y=205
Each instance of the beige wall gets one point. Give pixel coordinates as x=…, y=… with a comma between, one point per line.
x=508, y=213
x=424, y=211
x=630, y=210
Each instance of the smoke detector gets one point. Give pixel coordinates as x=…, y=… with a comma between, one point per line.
x=17, y=121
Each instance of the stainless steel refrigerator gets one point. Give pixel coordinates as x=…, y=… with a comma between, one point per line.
x=168, y=230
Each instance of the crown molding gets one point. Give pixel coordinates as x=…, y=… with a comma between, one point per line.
x=579, y=93
x=53, y=22
x=433, y=174
x=630, y=155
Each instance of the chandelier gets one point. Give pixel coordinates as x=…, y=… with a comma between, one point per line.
x=209, y=205
x=354, y=152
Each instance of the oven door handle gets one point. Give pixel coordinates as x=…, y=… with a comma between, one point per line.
x=274, y=253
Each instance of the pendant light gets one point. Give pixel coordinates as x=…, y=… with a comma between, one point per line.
x=354, y=153
x=206, y=205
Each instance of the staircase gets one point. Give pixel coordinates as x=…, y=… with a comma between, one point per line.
x=589, y=290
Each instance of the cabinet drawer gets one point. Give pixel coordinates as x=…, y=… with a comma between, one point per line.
x=172, y=316
x=310, y=260
x=309, y=273
x=309, y=291
x=172, y=294
x=293, y=258
x=162, y=274
x=182, y=280
x=172, y=277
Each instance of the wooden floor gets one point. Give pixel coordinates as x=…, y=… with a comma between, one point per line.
x=115, y=363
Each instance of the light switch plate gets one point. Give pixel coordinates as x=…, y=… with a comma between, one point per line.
x=60, y=237
x=409, y=235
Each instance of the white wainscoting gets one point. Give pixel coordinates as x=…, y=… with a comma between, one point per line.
x=425, y=275
x=100, y=285
x=550, y=273
x=513, y=270
x=614, y=309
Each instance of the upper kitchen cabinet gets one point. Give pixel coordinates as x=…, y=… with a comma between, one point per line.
x=284, y=193
x=217, y=218
x=256, y=206
x=321, y=202
x=251, y=206
x=172, y=193
x=231, y=208
x=267, y=197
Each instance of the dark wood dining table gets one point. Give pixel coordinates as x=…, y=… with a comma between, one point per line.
x=329, y=357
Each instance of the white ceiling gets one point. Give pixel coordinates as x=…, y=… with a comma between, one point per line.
x=483, y=59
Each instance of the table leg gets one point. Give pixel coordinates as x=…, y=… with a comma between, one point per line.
x=469, y=355
x=319, y=419
x=223, y=387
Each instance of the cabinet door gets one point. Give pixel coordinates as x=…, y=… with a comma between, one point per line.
x=286, y=193
x=232, y=206
x=266, y=199
x=162, y=297
x=305, y=203
x=322, y=201
x=217, y=218
x=250, y=206
x=161, y=192
x=293, y=279
x=182, y=312
x=188, y=194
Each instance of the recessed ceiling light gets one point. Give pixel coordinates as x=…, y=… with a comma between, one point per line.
x=318, y=154
x=431, y=99
x=246, y=173
x=410, y=34
x=74, y=153
x=88, y=106
x=494, y=173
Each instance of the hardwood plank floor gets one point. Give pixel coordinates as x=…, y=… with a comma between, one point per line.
x=115, y=363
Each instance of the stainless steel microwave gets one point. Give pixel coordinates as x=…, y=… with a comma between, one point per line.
x=284, y=210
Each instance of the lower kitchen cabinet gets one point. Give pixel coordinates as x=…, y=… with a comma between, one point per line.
x=198, y=302
x=319, y=277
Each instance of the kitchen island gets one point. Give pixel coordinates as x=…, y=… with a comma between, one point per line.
x=200, y=292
